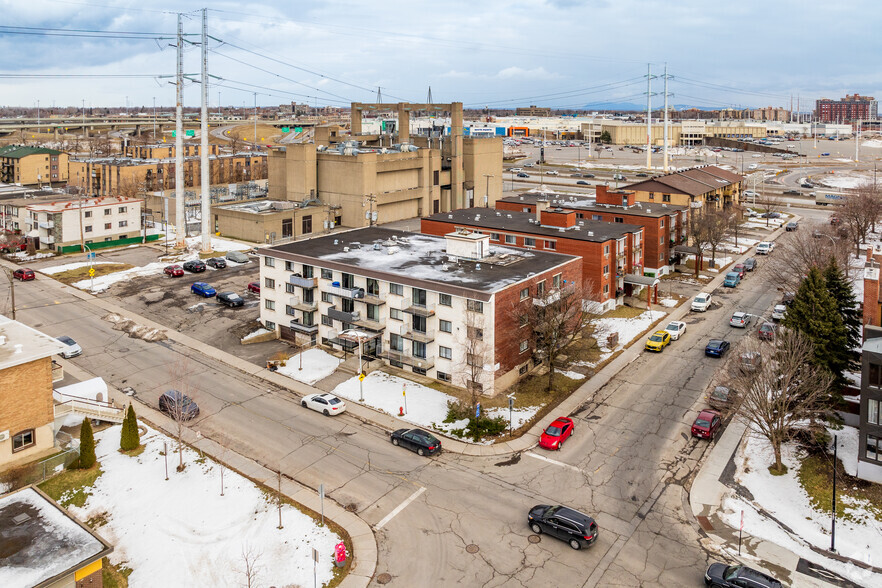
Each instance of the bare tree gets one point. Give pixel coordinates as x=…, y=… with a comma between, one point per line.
x=772, y=203
x=179, y=403
x=471, y=367
x=128, y=188
x=235, y=138
x=711, y=228
x=251, y=567
x=859, y=213
x=811, y=246
x=784, y=390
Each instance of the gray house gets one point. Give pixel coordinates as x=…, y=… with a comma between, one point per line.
x=870, y=442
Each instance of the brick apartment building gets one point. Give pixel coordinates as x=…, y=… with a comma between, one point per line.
x=163, y=150
x=611, y=253
x=437, y=306
x=699, y=188
x=664, y=225
x=853, y=107
x=33, y=166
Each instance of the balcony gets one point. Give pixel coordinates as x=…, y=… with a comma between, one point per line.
x=296, y=325
x=407, y=358
x=336, y=289
x=298, y=304
x=346, y=317
x=369, y=324
x=369, y=298
x=418, y=309
x=408, y=332
x=303, y=282
x=57, y=372
x=47, y=224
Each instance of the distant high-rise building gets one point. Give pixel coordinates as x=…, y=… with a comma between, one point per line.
x=851, y=108
x=533, y=111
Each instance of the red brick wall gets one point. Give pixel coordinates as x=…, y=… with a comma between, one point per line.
x=516, y=206
x=871, y=296
x=553, y=218
x=604, y=195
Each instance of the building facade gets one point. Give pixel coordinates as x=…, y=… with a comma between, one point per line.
x=870, y=429
x=853, y=107
x=33, y=166
x=163, y=150
x=441, y=307
x=268, y=221
x=533, y=111
x=698, y=189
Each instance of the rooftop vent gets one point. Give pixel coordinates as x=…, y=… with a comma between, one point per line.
x=346, y=249
x=648, y=210
x=477, y=266
x=590, y=233
x=18, y=347
x=449, y=216
x=21, y=518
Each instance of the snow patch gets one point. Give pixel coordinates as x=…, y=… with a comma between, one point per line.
x=317, y=365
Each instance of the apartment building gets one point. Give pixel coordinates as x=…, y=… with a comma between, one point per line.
x=853, y=107
x=664, y=225
x=611, y=253
x=442, y=307
x=165, y=150
x=33, y=166
x=698, y=188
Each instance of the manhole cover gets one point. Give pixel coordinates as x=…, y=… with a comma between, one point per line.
x=351, y=507
x=384, y=578
x=534, y=538
x=472, y=548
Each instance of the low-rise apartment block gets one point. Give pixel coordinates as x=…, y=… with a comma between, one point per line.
x=699, y=188
x=33, y=166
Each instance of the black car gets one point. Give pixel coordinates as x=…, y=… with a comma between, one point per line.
x=523, y=175
x=793, y=192
x=807, y=185
x=791, y=226
x=642, y=175
x=716, y=348
x=749, y=264
x=770, y=215
x=582, y=183
x=217, y=262
x=572, y=526
x=423, y=442
x=587, y=175
x=177, y=404
x=721, y=397
x=230, y=299
x=719, y=574
x=194, y=265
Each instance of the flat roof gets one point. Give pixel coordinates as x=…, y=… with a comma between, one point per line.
x=40, y=542
x=506, y=220
x=586, y=203
x=399, y=256
x=74, y=203
x=24, y=344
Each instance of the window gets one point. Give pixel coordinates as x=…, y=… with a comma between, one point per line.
x=308, y=295
x=107, y=212
x=540, y=289
x=419, y=370
x=347, y=280
x=269, y=283
x=269, y=304
x=87, y=214
x=494, y=236
x=475, y=306
x=874, y=448
x=523, y=346
x=396, y=289
x=289, y=288
x=418, y=297
x=308, y=271
x=445, y=299
x=652, y=195
x=23, y=440
x=606, y=270
x=396, y=314
x=444, y=377
x=289, y=266
x=327, y=321
x=873, y=411
x=618, y=219
x=327, y=297
x=445, y=326
x=606, y=250
x=555, y=281
x=529, y=242
x=525, y=293
x=445, y=352
x=510, y=240
x=108, y=226
x=666, y=197
x=418, y=348
x=287, y=227
x=596, y=217
x=662, y=225
x=269, y=261
x=270, y=325
x=121, y=210
x=289, y=310
x=306, y=225
x=523, y=320
x=523, y=369
x=373, y=287
x=373, y=312
x=606, y=288
x=88, y=229
x=550, y=245
x=124, y=223
x=475, y=333
x=106, y=239
x=327, y=274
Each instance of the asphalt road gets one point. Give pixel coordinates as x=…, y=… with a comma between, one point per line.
x=626, y=465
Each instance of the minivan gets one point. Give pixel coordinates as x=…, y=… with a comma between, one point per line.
x=732, y=280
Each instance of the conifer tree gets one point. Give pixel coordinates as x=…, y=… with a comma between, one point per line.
x=87, y=446
x=841, y=291
x=130, y=437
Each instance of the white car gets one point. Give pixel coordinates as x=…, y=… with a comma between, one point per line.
x=750, y=193
x=529, y=165
x=327, y=404
x=765, y=247
x=752, y=166
x=552, y=173
x=73, y=348
x=740, y=320
x=676, y=328
x=778, y=312
x=515, y=170
x=701, y=302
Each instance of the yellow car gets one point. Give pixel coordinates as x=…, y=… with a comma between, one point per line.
x=658, y=341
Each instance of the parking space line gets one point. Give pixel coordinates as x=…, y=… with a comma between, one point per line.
x=399, y=508
x=554, y=461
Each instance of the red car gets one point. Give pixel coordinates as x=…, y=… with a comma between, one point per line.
x=767, y=331
x=24, y=274
x=174, y=271
x=739, y=267
x=706, y=424
x=556, y=433
x=254, y=287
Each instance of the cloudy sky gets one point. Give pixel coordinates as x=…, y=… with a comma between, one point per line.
x=561, y=53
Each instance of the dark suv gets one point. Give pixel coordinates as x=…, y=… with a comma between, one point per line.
x=572, y=526
x=719, y=574
x=176, y=404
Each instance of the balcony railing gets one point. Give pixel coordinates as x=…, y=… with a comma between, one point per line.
x=369, y=298
x=367, y=323
x=408, y=358
x=418, y=309
x=303, y=282
x=47, y=224
x=354, y=293
x=296, y=325
x=408, y=332
x=341, y=315
x=299, y=304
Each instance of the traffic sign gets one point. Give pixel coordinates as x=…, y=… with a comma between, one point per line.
x=298, y=129
x=361, y=377
x=190, y=133
x=286, y=129
x=91, y=272
x=174, y=133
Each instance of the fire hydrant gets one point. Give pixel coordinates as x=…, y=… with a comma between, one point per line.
x=340, y=555
x=400, y=411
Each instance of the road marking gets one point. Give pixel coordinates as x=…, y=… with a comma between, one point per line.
x=554, y=461
x=399, y=508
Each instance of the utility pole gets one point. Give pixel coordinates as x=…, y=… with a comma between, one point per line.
x=648, y=116
x=254, y=142
x=180, y=220
x=8, y=273
x=857, y=143
x=370, y=215
x=84, y=118
x=205, y=180
x=38, y=116
x=487, y=192
x=154, y=119
x=666, y=121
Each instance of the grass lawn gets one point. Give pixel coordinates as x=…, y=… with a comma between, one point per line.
x=77, y=481
x=114, y=576
x=211, y=254
x=816, y=477
x=82, y=273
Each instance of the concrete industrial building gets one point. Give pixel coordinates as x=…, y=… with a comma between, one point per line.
x=698, y=188
x=681, y=133
x=33, y=166
x=163, y=150
x=533, y=111
x=853, y=107
x=268, y=221
x=441, y=307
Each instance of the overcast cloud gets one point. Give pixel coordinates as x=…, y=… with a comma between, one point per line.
x=563, y=53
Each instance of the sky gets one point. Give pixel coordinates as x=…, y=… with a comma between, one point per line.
x=559, y=53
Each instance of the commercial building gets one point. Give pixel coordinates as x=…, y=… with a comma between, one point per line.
x=664, y=225
x=853, y=107
x=698, y=188
x=681, y=133
x=611, y=253
x=268, y=221
x=533, y=111
x=442, y=307
x=33, y=166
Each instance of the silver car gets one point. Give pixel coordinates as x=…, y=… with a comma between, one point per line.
x=237, y=257
x=73, y=348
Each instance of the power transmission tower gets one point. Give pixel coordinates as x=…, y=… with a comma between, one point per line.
x=180, y=220
x=429, y=97
x=666, y=77
x=379, y=96
x=649, y=95
x=205, y=180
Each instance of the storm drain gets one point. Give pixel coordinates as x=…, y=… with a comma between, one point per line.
x=472, y=548
x=351, y=507
x=534, y=538
x=384, y=578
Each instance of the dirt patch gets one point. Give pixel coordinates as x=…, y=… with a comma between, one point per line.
x=82, y=273
x=135, y=330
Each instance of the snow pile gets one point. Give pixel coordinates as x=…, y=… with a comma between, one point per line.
x=383, y=392
x=182, y=532
x=847, y=443
x=317, y=365
x=873, y=143
x=23, y=256
x=254, y=334
x=134, y=330
x=570, y=375
x=844, y=182
x=519, y=416
x=627, y=328
x=102, y=283
x=668, y=302
x=57, y=269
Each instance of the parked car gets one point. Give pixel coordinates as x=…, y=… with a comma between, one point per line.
x=24, y=274
x=237, y=257
x=778, y=312
x=423, y=442
x=719, y=574
x=325, y=403
x=750, y=361
x=676, y=328
x=732, y=280
x=706, y=424
x=750, y=193
x=834, y=220
x=721, y=397
x=523, y=175
x=203, y=289
x=582, y=183
x=791, y=226
x=764, y=247
x=741, y=269
x=739, y=319
x=176, y=404
x=10, y=246
x=194, y=265
x=529, y=165
x=716, y=348
x=572, y=526
x=701, y=302
x=556, y=433
x=658, y=341
x=825, y=154
x=217, y=262
x=619, y=177
x=230, y=299
x=175, y=271
x=254, y=287
x=642, y=175
x=73, y=348
x=750, y=264
x=767, y=331
x=770, y=215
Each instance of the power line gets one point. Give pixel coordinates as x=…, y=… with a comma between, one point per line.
x=53, y=76
x=24, y=30
x=269, y=91
x=712, y=86
x=571, y=93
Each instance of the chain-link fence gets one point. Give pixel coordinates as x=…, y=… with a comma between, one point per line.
x=38, y=471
